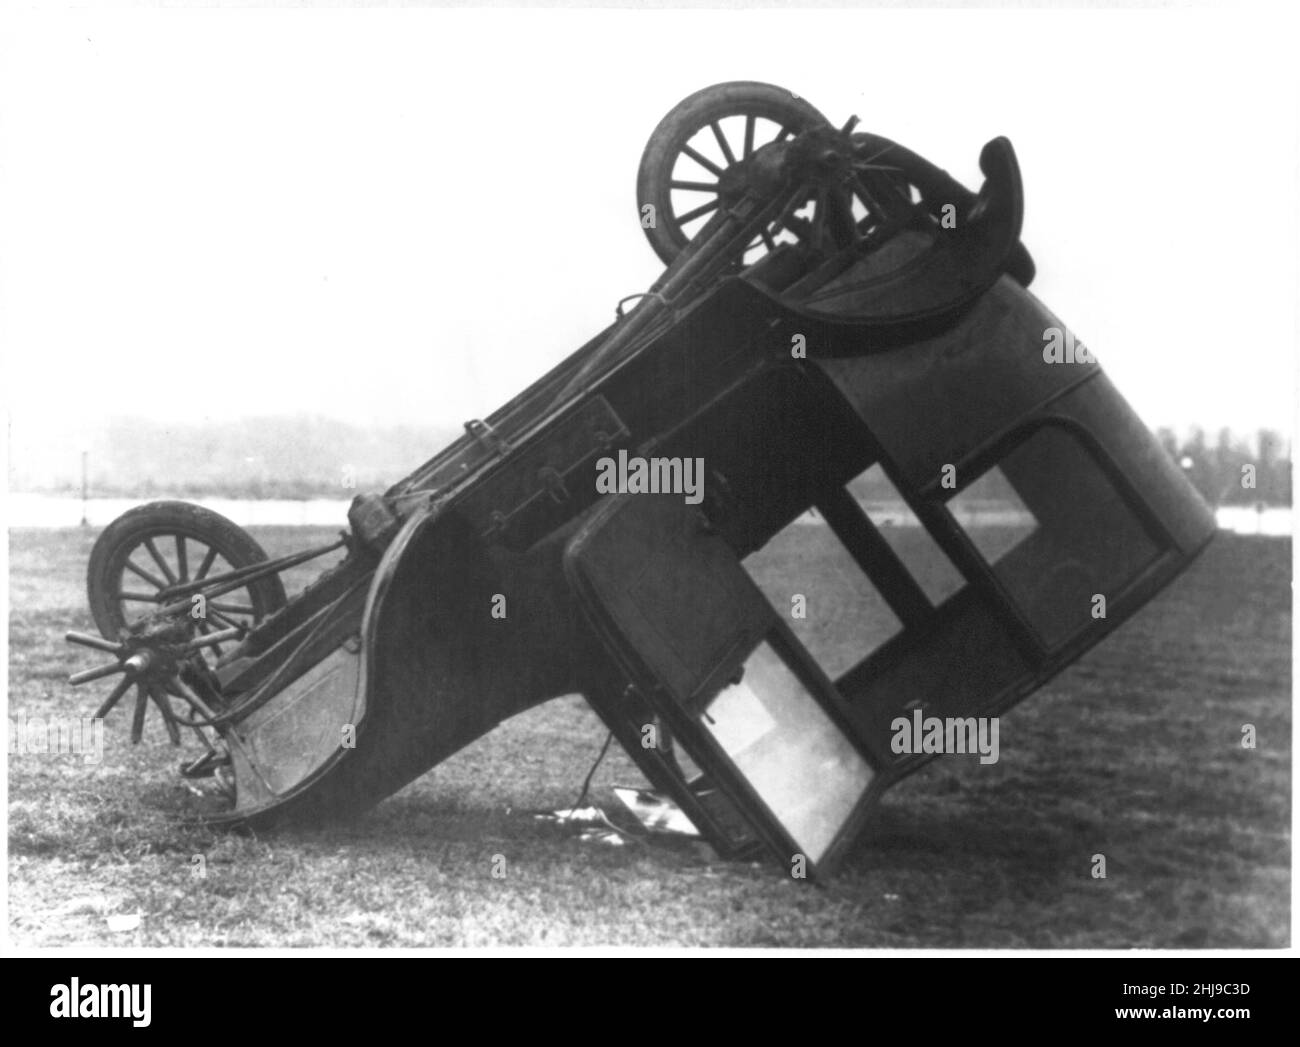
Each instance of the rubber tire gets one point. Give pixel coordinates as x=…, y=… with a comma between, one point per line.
x=156, y=519
x=692, y=114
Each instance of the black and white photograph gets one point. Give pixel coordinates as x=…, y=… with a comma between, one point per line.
x=654, y=480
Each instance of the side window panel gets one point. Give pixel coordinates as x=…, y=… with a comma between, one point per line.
x=912, y=543
x=993, y=515
x=1055, y=531
x=817, y=589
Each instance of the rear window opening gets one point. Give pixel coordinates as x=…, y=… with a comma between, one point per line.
x=992, y=515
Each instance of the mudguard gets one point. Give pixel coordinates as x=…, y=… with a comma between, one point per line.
x=931, y=273
x=436, y=667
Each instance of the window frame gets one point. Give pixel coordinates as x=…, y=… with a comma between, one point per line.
x=858, y=533
x=980, y=571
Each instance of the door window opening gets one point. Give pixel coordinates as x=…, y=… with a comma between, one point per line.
x=801, y=764
x=817, y=588
x=912, y=543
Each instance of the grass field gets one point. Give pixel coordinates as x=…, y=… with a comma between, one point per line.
x=1134, y=753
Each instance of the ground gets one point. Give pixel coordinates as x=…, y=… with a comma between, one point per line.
x=1134, y=753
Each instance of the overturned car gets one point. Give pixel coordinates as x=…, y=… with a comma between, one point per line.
x=842, y=339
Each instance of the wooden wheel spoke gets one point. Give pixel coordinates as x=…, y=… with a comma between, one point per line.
x=867, y=197
x=98, y=673
x=96, y=643
x=839, y=215
x=148, y=576
x=702, y=160
x=748, y=148
x=137, y=719
x=703, y=209
x=783, y=134
x=206, y=565
x=230, y=623
x=723, y=144
x=169, y=718
x=137, y=597
x=702, y=187
x=818, y=232
x=113, y=697
x=163, y=565
x=866, y=188
x=233, y=608
x=182, y=566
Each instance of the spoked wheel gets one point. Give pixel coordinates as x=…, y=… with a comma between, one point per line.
x=163, y=633
x=153, y=547
x=684, y=164
x=693, y=165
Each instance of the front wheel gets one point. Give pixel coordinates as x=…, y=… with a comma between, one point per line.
x=155, y=546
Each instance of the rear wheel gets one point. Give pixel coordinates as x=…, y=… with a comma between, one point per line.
x=697, y=142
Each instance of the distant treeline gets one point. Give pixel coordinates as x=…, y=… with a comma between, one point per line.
x=276, y=457
x=1218, y=470
x=312, y=457
x=1228, y=470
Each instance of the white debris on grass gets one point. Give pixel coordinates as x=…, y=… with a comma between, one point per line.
x=124, y=922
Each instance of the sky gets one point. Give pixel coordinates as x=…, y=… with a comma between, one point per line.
x=407, y=215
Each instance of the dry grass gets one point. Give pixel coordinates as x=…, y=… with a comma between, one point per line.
x=1134, y=753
